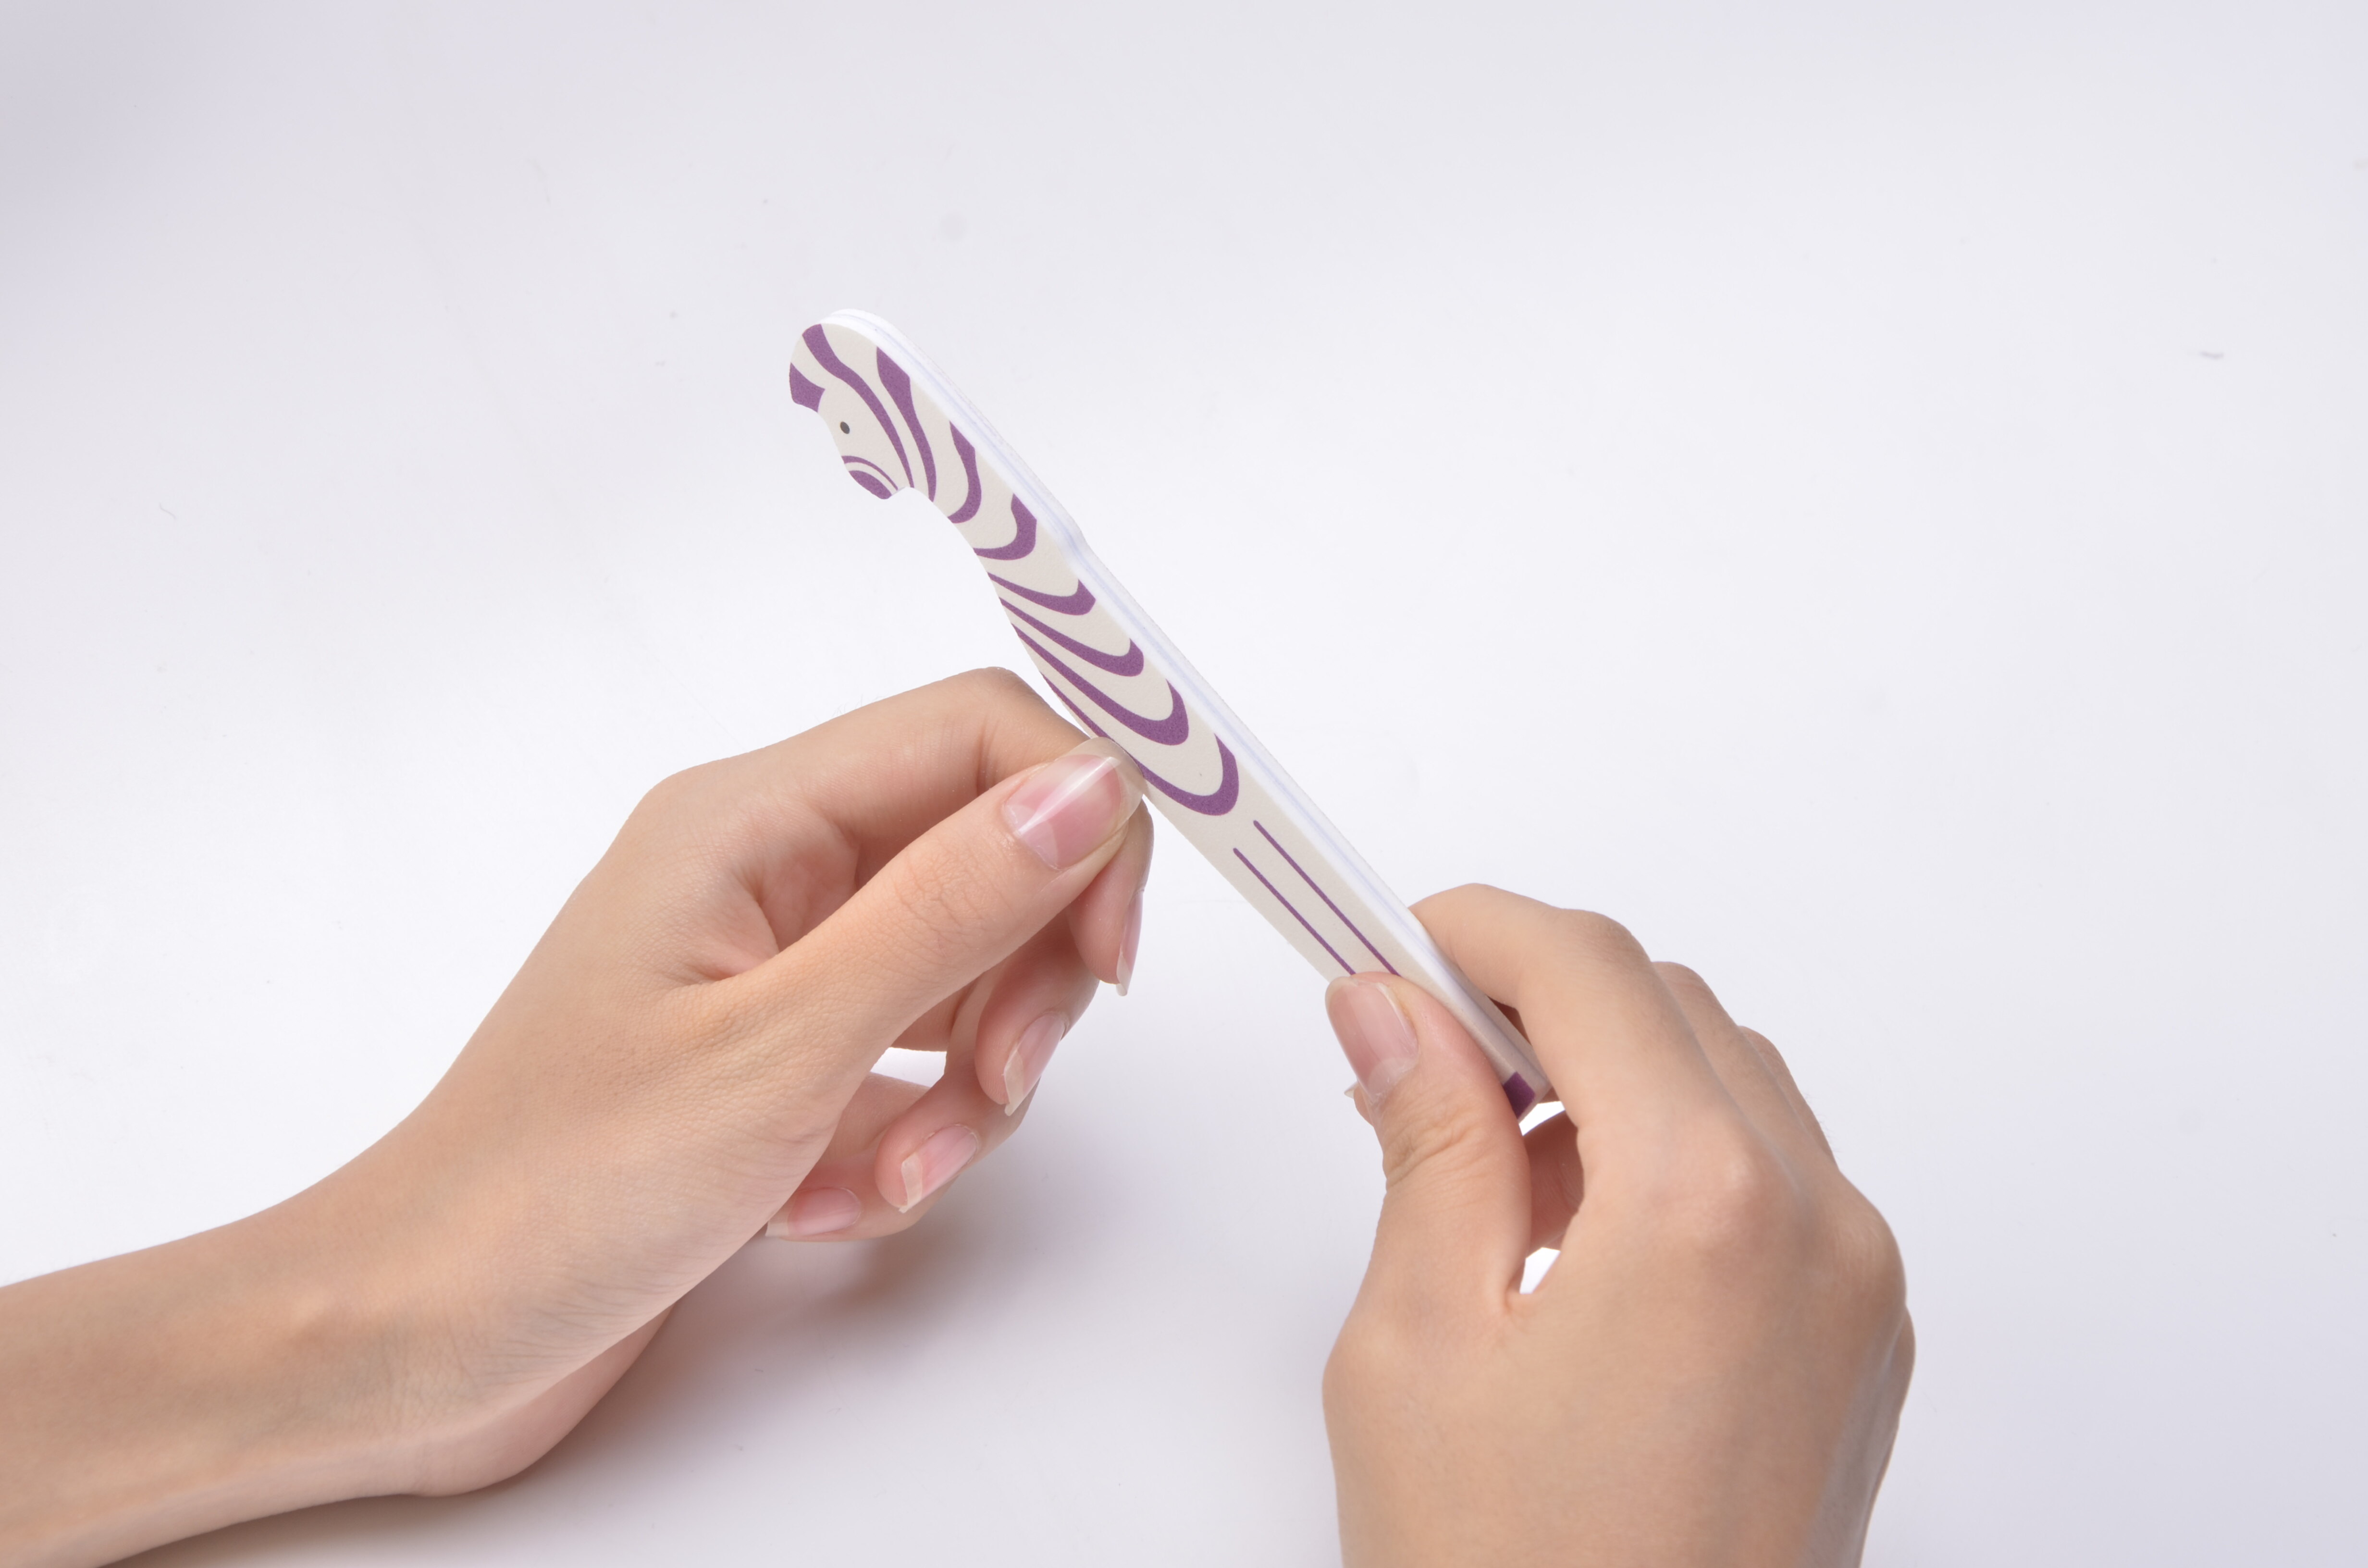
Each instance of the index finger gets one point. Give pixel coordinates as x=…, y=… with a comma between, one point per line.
x=849, y=794
x=890, y=771
x=1615, y=1041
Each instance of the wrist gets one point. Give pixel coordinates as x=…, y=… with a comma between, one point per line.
x=232, y=1374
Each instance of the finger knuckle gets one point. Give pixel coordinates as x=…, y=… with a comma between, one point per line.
x=1681, y=977
x=671, y=795
x=1734, y=1198
x=1348, y=1371
x=1862, y=1260
x=1371, y=1353
x=995, y=686
x=1470, y=905
x=1597, y=939
x=1903, y=1355
x=1767, y=1049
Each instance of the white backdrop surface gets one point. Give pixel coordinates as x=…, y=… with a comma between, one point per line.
x=1873, y=496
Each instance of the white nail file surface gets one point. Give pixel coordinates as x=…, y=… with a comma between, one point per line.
x=900, y=424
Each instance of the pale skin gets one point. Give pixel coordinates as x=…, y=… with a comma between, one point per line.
x=1713, y=1370
x=1712, y=1373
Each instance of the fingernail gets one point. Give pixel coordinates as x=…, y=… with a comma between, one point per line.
x=1025, y=1065
x=816, y=1213
x=1128, y=941
x=933, y=1165
x=1070, y=806
x=1374, y=1033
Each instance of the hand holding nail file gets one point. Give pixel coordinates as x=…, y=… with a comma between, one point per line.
x=900, y=424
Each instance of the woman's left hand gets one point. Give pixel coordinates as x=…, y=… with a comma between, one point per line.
x=683, y=1062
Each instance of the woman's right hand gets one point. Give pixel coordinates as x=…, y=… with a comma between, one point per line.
x=1713, y=1370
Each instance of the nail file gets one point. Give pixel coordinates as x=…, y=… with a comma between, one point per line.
x=900, y=424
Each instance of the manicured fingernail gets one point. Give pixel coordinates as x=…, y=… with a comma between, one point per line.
x=1131, y=939
x=1069, y=807
x=1374, y=1033
x=817, y=1214
x=933, y=1165
x=1025, y=1065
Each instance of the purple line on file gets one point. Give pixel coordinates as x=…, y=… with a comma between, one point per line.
x=1075, y=603
x=1172, y=731
x=969, y=508
x=1023, y=536
x=1294, y=912
x=900, y=388
x=1127, y=663
x=1324, y=896
x=1215, y=804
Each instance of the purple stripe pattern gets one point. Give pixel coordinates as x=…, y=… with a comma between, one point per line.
x=1217, y=801
x=1023, y=536
x=969, y=455
x=1327, y=897
x=879, y=482
x=1295, y=911
x=1215, y=804
x=1167, y=732
x=900, y=388
x=1127, y=663
x=1064, y=604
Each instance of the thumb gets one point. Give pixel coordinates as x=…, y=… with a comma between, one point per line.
x=951, y=905
x=1456, y=1221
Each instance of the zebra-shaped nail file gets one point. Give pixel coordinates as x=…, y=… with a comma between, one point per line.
x=900, y=424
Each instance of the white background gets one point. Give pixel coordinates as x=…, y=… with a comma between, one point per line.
x=1871, y=495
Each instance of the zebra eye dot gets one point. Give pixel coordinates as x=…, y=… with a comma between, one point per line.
x=843, y=429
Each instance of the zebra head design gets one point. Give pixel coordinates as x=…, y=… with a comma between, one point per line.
x=889, y=436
